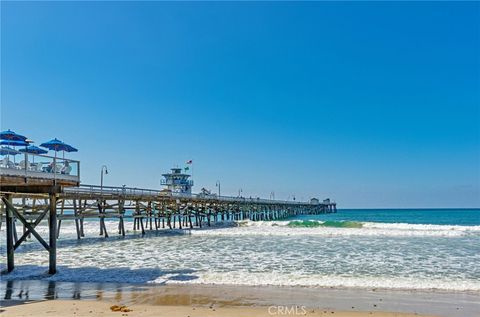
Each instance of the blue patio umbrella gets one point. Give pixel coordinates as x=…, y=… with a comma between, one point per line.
x=32, y=149
x=10, y=135
x=57, y=145
x=8, y=151
x=14, y=143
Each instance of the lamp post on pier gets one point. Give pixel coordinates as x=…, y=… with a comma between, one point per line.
x=104, y=169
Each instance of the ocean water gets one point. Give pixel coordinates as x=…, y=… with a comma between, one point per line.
x=423, y=249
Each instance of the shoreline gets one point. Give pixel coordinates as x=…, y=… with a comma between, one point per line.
x=157, y=297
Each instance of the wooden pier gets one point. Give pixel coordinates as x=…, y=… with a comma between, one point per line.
x=27, y=201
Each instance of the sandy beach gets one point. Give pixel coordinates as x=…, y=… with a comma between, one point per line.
x=105, y=308
x=39, y=298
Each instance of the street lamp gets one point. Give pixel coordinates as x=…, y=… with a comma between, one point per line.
x=218, y=185
x=104, y=169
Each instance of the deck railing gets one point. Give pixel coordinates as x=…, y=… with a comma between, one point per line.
x=174, y=182
x=40, y=166
x=95, y=190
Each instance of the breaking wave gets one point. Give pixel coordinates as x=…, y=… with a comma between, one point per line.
x=333, y=224
x=340, y=228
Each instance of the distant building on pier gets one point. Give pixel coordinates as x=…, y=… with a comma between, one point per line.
x=177, y=182
x=314, y=201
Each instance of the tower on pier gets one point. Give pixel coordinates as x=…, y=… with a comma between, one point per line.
x=177, y=182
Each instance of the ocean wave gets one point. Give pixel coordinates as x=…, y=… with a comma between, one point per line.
x=287, y=228
x=334, y=281
x=341, y=228
x=246, y=278
x=329, y=223
x=296, y=255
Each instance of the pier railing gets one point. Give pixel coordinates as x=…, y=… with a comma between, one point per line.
x=176, y=182
x=40, y=166
x=95, y=190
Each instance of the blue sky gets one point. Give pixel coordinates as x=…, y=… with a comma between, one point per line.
x=370, y=104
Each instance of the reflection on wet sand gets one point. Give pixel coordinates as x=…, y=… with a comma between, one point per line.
x=128, y=294
x=49, y=290
x=19, y=291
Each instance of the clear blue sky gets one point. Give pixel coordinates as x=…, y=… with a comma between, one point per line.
x=370, y=104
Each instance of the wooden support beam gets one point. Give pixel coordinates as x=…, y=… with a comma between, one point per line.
x=9, y=225
x=15, y=235
x=101, y=211
x=141, y=223
x=15, y=213
x=77, y=224
x=121, y=211
x=28, y=230
x=52, y=228
x=60, y=221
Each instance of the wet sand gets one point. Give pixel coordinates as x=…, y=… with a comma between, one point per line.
x=43, y=298
x=104, y=308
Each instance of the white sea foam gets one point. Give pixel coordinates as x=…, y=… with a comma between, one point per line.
x=385, y=255
x=317, y=280
x=282, y=228
x=157, y=276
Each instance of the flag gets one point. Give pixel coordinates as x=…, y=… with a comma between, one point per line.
x=186, y=168
x=189, y=162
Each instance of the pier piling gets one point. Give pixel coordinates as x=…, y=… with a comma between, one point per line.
x=52, y=229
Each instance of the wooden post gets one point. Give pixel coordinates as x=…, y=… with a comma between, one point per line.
x=9, y=225
x=52, y=228
x=190, y=220
x=100, y=215
x=2, y=211
x=149, y=209
x=77, y=225
x=141, y=223
x=121, y=211
x=60, y=221
x=15, y=235
x=24, y=204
